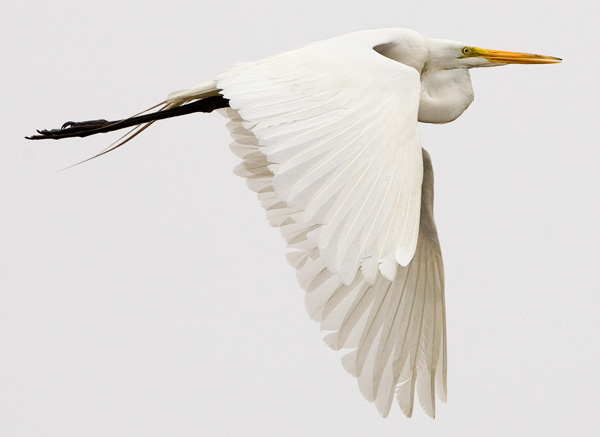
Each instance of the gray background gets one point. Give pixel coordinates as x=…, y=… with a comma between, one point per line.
x=143, y=293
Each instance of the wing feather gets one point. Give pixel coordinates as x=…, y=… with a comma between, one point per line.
x=340, y=143
x=343, y=184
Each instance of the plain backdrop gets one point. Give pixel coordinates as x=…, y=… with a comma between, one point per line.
x=144, y=294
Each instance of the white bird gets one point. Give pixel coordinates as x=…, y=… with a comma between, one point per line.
x=328, y=138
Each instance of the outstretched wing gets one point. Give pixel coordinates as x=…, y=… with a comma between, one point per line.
x=330, y=144
x=337, y=123
x=396, y=328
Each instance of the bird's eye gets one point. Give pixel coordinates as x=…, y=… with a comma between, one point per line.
x=466, y=50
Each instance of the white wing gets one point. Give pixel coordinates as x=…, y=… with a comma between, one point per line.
x=331, y=147
x=337, y=123
x=396, y=328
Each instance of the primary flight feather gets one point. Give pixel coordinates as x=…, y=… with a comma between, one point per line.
x=328, y=138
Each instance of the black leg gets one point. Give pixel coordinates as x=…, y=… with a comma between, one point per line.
x=91, y=127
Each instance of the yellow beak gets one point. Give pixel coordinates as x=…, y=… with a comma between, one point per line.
x=500, y=57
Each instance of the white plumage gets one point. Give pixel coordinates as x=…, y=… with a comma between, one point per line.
x=342, y=179
x=396, y=328
x=328, y=138
x=352, y=172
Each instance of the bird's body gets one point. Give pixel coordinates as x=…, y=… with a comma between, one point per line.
x=328, y=137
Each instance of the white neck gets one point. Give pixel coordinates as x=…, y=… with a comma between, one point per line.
x=445, y=94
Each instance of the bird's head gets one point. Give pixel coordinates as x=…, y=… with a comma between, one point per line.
x=451, y=54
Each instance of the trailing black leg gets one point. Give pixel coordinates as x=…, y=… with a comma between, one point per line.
x=91, y=127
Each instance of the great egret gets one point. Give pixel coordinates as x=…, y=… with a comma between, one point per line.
x=328, y=138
